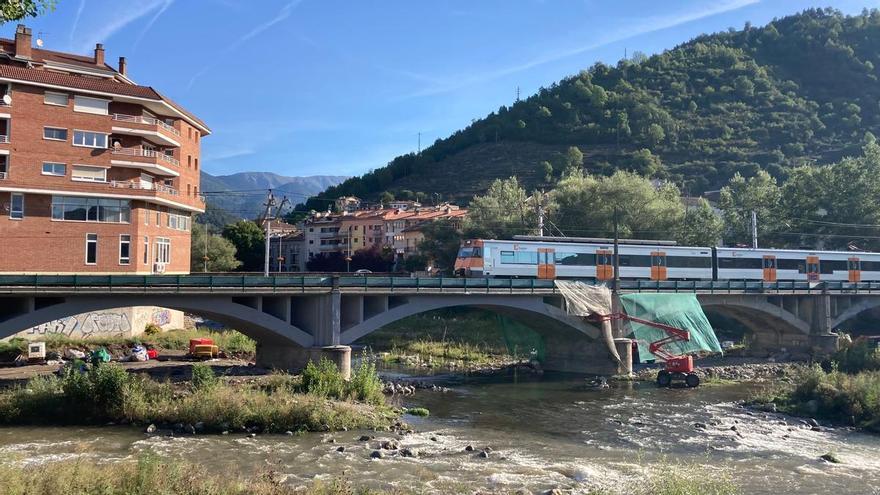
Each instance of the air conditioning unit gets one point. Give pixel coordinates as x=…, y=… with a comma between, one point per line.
x=158, y=267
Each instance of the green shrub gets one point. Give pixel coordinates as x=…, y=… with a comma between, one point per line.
x=152, y=329
x=323, y=379
x=365, y=384
x=836, y=396
x=203, y=376
x=860, y=355
x=419, y=411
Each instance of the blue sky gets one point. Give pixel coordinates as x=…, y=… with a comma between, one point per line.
x=314, y=87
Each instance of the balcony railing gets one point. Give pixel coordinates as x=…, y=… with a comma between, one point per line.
x=124, y=184
x=137, y=119
x=4, y=139
x=146, y=154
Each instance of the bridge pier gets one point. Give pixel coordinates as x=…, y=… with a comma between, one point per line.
x=295, y=358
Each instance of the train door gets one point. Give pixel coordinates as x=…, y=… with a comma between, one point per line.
x=546, y=263
x=769, y=264
x=658, y=265
x=813, y=268
x=854, y=267
x=604, y=264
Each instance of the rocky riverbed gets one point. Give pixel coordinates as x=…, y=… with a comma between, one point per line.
x=743, y=372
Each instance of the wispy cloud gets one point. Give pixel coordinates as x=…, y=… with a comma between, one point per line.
x=282, y=15
x=226, y=153
x=79, y=11
x=146, y=29
x=642, y=27
x=125, y=14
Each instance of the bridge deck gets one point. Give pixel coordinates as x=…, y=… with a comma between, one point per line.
x=280, y=284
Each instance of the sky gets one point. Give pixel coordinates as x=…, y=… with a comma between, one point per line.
x=328, y=87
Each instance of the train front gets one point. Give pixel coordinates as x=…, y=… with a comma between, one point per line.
x=469, y=262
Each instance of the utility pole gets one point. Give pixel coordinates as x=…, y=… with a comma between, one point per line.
x=540, y=207
x=206, y=248
x=616, y=254
x=517, y=93
x=420, y=145
x=754, y=230
x=270, y=203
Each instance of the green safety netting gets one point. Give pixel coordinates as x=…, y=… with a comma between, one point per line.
x=521, y=341
x=677, y=310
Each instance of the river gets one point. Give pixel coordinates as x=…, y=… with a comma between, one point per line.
x=544, y=432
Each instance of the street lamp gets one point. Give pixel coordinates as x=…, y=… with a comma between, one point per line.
x=348, y=263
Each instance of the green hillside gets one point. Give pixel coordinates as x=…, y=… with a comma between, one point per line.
x=803, y=89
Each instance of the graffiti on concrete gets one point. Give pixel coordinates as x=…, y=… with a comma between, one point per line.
x=98, y=324
x=160, y=317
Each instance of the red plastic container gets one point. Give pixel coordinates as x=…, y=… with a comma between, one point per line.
x=200, y=341
x=152, y=354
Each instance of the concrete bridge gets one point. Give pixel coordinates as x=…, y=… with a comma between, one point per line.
x=294, y=319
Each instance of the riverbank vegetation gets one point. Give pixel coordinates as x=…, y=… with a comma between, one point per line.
x=846, y=390
x=319, y=400
x=447, y=337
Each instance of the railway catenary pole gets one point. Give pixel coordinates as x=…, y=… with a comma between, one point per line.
x=754, y=230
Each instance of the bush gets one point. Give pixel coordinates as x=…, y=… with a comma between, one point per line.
x=152, y=329
x=323, y=379
x=203, y=377
x=419, y=411
x=859, y=355
x=365, y=384
x=836, y=396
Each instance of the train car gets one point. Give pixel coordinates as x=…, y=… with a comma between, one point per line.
x=771, y=265
x=520, y=258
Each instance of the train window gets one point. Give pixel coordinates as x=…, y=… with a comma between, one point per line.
x=519, y=257
x=658, y=260
x=465, y=252
x=790, y=264
x=870, y=266
x=831, y=266
x=577, y=259
x=508, y=257
x=634, y=260
x=477, y=253
x=854, y=265
x=688, y=262
x=812, y=267
x=769, y=262
x=739, y=263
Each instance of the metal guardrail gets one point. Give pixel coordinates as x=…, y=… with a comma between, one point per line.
x=245, y=283
x=137, y=119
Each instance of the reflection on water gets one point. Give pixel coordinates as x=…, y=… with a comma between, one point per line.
x=543, y=432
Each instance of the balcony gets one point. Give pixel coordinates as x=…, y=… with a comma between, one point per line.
x=144, y=186
x=4, y=139
x=146, y=159
x=154, y=129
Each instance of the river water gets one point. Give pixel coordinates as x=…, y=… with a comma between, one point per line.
x=544, y=432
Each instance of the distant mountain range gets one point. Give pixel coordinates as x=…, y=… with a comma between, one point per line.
x=244, y=193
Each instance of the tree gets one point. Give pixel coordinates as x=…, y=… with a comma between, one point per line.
x=574, y=158
x=440, y=245
x=741, y=197
x=220, y=252
x=250, y=244
x=386, y=197
x=656, y=135
x=700, y=227
x=584, y=205
x=16, y=10
x=500, y=213
x=547, y=169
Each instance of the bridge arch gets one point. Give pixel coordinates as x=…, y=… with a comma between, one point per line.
x=863, y=305
x=262, y=327
x=540, y=315
x=771, y=326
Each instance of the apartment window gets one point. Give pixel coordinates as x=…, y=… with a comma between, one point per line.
x=89, y=139
x=85, y=173
x=189, y=132
x=55, y=133
x=16, y=206
x=51, y=98
x=124, y=249
x=90, y=105
x=57, y=169
x=189, y=161
x=189, y=189
x=76, y=209
x=146, y=215
x=196, y=161
x=158, y=217
x=146, y=250
x=163, y=250
x=178, y=220
x=91, y=249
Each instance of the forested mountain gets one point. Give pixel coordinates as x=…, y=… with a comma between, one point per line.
x=802, y=89
x=243, y=194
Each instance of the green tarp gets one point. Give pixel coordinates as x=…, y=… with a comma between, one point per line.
x=677, y=310
x=521, y=341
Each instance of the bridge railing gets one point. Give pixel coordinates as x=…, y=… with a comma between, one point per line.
x=284, y=283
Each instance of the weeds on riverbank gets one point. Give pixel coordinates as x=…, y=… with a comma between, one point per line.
x=149, y=475
x=852, y=399
x=859, y=355
x=107, y=393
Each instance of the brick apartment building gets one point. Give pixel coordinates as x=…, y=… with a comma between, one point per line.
x=97, y=174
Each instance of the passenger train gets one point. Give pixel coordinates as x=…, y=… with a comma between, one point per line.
x=588, y=258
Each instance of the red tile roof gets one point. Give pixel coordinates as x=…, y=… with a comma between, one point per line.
x=41, y=55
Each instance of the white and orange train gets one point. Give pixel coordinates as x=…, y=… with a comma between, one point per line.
x=587, y=258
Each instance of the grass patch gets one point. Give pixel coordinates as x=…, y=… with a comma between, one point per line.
x=108, y=393
x=149, y=474
x=419, y=411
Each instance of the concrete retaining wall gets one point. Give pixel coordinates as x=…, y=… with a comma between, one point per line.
x=121, y=322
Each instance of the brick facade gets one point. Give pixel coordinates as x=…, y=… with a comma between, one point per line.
x=150, y=154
